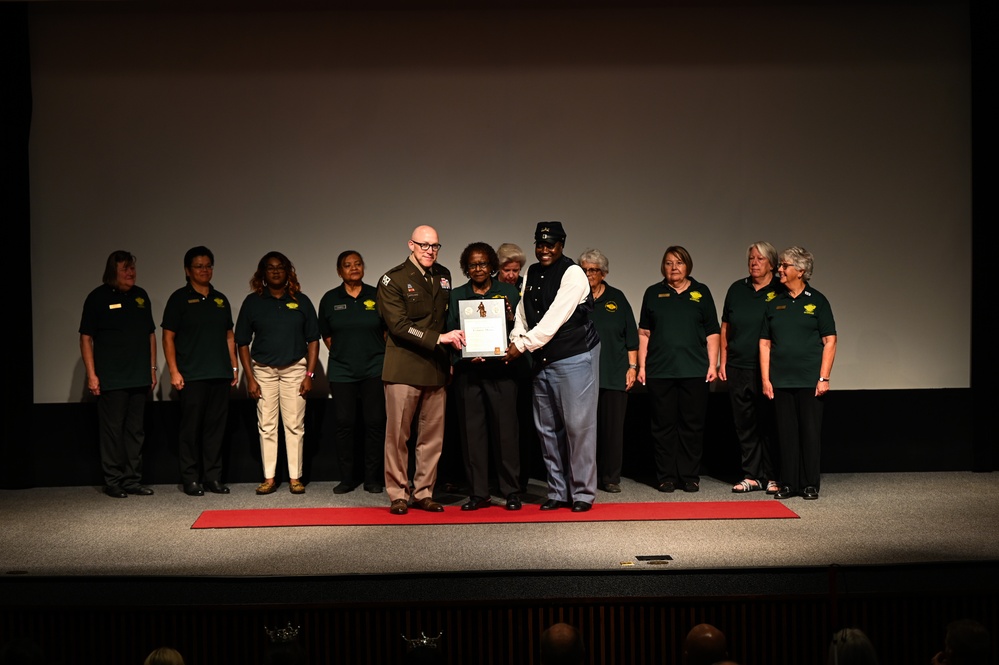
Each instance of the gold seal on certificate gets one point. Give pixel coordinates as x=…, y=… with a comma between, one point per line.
x=484, y=323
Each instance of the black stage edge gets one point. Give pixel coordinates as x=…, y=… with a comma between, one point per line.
x=863, y=431
x=948, y=579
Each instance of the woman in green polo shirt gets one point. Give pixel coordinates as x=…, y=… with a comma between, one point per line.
x=615, y=324
x=354, y=333
x=678, y=342
x=281, y=322
x=797, y=349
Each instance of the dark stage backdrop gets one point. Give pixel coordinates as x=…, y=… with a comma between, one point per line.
x=842, y=128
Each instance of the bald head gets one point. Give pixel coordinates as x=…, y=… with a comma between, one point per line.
x=561, y=645
x=425, y=235
x=705, y=645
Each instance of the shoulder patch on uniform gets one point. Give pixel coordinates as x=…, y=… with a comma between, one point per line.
x=386, y=280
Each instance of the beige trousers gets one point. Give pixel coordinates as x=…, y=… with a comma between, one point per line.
x=401, y=404
x=279, y=396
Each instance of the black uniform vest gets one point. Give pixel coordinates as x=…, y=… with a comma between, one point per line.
x=576, y=335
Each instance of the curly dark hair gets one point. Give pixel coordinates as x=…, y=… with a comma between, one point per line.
x=258, y=280
x=486, y=249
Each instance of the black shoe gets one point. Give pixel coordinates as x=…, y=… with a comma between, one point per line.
x=216, y=487
x=810, y=493
x=785, y=492
x=115, y=492
x=691, y=487
x=513, y=502
x=373, y=488
x=140, y=490
x=476, y=502
x=667, y=486
x=193, y=489
x=581, y=506
x=554, y=504
x=611, y=488
x=344, y=488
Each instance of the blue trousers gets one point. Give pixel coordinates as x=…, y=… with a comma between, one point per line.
x=565, y=413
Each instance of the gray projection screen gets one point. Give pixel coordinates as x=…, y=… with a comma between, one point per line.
x=842, y=129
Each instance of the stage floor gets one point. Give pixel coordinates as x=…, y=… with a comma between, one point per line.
x=860, y=520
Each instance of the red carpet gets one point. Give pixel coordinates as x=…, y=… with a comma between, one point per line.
x=601, y=512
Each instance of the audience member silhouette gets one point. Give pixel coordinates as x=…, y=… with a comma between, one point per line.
x=967, y=643
x=164, y=656
x=850, y=646
x=705, y=645
x=561, y=644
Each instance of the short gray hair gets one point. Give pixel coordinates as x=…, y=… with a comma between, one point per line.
x=509, y=252
x=801, y=259
x=596, y=257
x=768, y=251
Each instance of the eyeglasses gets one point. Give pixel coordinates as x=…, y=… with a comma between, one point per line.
x=202, y=266
x=479, y=266
x=785, y=266
x=427, y=246
x=594, y=271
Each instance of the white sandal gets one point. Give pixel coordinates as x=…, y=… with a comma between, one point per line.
x=745, y=485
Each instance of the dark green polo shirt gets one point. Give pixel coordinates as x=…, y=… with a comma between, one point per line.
x=743, y=312
x=200, y=324
x=357, y=348
x=679, y=325
x=120, y=323
x=494, y=368
x=615, y=324
x=280, y=328
x=795, y=328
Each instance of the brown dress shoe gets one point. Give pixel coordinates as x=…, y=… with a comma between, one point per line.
x=266, y=487
x=428, y=505
x=399, y=507
x=296, y=487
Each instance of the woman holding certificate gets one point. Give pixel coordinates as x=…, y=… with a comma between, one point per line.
x=485, y=388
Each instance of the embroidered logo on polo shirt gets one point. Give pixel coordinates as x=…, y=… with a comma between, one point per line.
x=810, y=309
x=369, y=305
x=386, y=280
x=220, y=303
x=610, y=306
x=771, y=295
x=292, y=305
x=140, y=303
x=695, y=296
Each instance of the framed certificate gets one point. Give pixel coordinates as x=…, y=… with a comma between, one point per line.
x=484, y=323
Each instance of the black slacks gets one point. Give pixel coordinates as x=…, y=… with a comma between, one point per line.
x=612, y=405
x=369, y=394
x=679, y=409
x=487, y=420
x=799, y=429
x=755, y=428
x=120, y=414
x=204, y=408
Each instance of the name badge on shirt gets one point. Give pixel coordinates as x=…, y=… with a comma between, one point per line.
x=116, y=305
x=337, y=308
